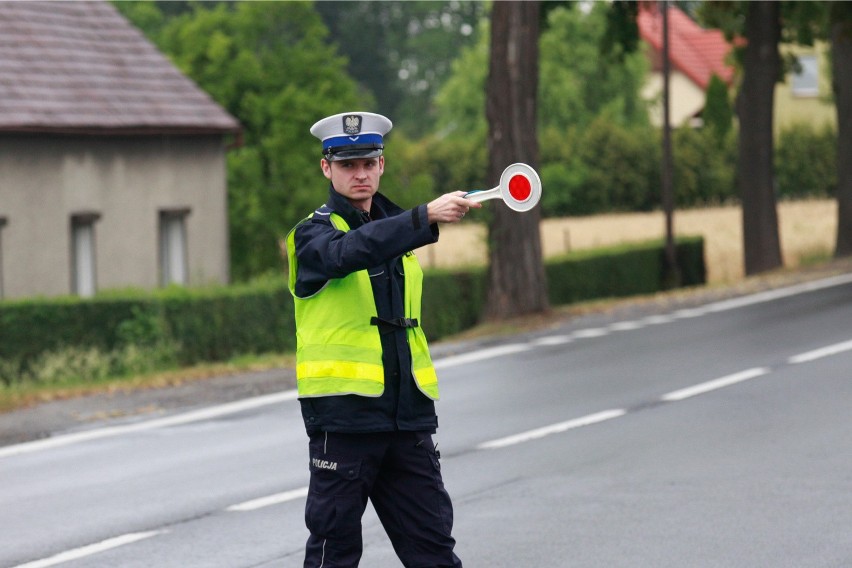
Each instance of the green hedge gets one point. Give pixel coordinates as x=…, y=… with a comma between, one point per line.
x=621, y=271
x=204, y=325
x=452, y=301
x=189, y=326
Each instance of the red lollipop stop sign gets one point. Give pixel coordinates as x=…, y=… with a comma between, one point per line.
x=520, y=188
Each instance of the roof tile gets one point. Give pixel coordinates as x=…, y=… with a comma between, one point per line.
x=78, y=66
x=697, y=52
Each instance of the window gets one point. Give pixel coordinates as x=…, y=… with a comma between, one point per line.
x=806, y=80
x=2, y=224
x=83, y=282
x=173, y=262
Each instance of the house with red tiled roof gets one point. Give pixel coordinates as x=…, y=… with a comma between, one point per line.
x=112, y=162
x=695, y=55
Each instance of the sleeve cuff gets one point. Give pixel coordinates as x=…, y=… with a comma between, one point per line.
x=420, y=218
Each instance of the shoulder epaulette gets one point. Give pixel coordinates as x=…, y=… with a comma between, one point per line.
x=322, y=214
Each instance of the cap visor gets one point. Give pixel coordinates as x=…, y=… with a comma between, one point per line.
x=355, y=154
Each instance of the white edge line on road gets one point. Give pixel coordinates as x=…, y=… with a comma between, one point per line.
x=481, y=354
x=552, y=340
x=688, y=313
x=820, y=353
x=626, y=325
x=657, y=320
x=275, y=499
x=715, y=384
x=770, y=295
x=552, y=429
x=590, y=333
x=90, y=549
x=178, y=419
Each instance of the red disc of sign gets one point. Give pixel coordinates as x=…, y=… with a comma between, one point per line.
x=519, y=187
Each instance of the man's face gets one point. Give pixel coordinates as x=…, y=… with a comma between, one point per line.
x=357, y=180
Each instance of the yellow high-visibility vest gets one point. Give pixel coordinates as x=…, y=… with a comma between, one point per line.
x=338, y=350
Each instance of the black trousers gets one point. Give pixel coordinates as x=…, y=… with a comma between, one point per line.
x=400, y=474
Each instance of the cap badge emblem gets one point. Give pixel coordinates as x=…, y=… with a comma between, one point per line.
x=352, y=124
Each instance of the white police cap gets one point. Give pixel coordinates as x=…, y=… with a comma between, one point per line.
x=350, y=135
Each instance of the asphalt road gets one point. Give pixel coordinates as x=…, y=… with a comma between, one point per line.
x=716, y=435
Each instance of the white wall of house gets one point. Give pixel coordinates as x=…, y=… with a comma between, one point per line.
x=685, y=98
x=806, y=97
x=123, y=187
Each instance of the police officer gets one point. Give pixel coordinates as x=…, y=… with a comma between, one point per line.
x=366, y=381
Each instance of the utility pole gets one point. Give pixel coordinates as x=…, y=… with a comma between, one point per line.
x=672, y=272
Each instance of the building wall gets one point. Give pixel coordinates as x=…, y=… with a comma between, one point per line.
x=817, y=109
x=686, y=98
x=122, y=182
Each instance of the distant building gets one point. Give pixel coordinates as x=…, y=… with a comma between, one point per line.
x=695, y=55
x=805, y=96
x=112, y=163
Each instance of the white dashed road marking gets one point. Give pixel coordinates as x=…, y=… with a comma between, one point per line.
x=715, y=384
x=255, y=504
x=820, y=353
x=90, y=549
x=552, y=429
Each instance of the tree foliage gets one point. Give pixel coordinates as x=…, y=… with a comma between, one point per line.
x=576, y=83
x=718, y=113
x=577, y=87
x=402, y=51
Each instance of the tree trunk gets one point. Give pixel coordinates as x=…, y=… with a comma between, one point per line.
x=755, y=170
x=671, y=279
x=841, y=57
x=516, y=278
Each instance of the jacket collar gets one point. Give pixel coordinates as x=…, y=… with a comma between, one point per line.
x=382, y=207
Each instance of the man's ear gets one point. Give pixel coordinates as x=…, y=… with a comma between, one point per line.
x=381, y=165
x=325, y=165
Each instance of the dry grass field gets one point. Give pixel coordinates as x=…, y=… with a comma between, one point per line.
x=807, y=229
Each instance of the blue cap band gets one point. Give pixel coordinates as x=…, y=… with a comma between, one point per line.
x=338, y=141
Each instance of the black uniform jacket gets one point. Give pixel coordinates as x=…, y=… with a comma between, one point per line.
x=374, y=243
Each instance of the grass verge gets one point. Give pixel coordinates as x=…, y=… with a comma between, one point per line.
x=22, y=394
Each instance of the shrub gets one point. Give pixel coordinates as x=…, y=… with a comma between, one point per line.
x=623, y=168
x=703, y=167
x=806, y=161
x=564, y=182
x=621, y=271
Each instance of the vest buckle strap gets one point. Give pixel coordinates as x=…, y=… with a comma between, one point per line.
x=387, y=326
